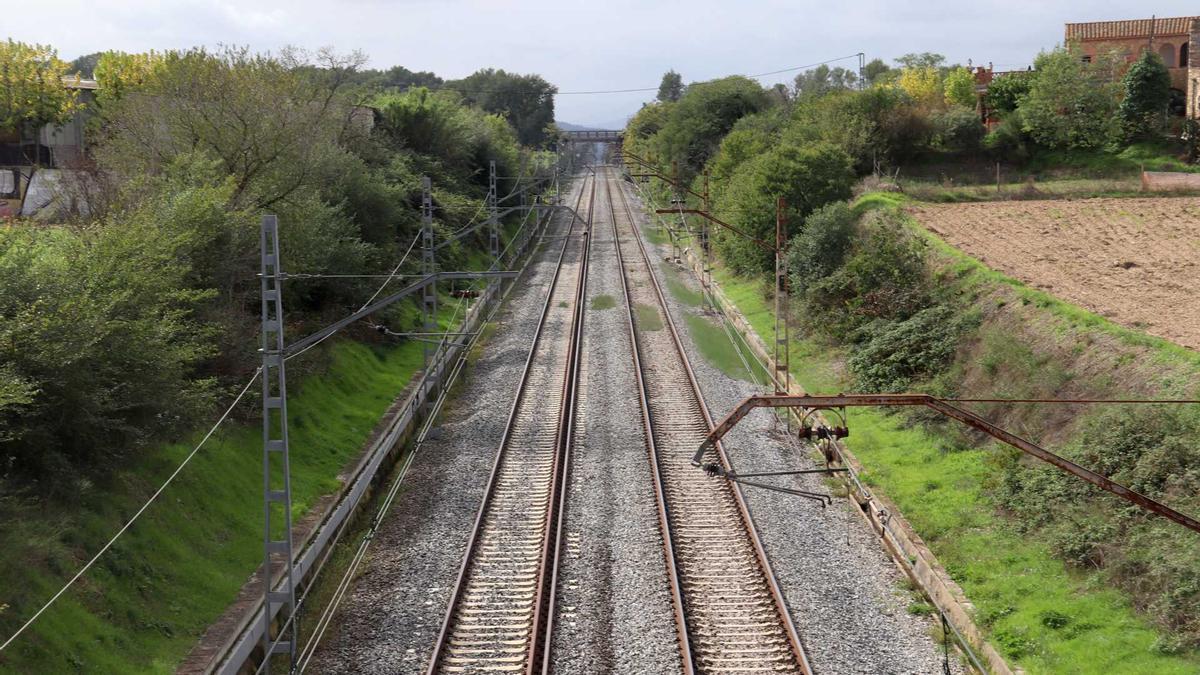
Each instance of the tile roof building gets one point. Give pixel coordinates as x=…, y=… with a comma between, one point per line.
x=1175, y=39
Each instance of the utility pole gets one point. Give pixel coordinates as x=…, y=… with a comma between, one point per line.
x=277, y=498
x=782, y=360
x=493, y=221
x=429, y=292
x=706, y=244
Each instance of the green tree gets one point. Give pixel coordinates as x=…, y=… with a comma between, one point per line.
x=84, y=66
x=118, y=73
x=1071, y=104
x=823, y=80
x=396, y=78
x=32, y=91
x=1004, y=93
x=883, y=277
x=876, y=71
x=99, y=326
x=702, y=117
x=271, y=126
x=671, y=87
x=526, y=101
x=807, y=177
x=1147, y=86
x=821, y=246
x=920, y=61
x=959, y=86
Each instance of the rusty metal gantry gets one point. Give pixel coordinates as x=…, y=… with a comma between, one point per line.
x=944, y=407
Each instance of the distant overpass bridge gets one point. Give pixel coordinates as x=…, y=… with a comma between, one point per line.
x=594, y=136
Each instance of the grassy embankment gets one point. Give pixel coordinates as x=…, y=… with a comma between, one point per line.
x=142, y=606
x=1049, y=175
x=1044, y=615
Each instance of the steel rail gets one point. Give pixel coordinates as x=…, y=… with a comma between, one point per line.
x=446, y=634
x=760, y=559
x=548, y=596
x=664, y=517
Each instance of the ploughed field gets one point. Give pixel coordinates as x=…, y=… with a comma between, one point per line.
x=1134, y=261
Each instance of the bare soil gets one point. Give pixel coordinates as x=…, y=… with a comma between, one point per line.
x=1134, y=261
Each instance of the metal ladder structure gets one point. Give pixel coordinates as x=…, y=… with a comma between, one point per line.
x=277, y=498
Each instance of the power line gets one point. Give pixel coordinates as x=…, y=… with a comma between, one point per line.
x=631, y=90
x=187, y=460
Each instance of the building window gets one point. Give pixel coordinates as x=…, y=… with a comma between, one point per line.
x=1167, y=53
x=1087, y=58
x=1183, y=55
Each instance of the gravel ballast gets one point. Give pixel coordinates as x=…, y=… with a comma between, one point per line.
x=614, y=605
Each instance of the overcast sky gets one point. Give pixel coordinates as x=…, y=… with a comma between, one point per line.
x=578, y=46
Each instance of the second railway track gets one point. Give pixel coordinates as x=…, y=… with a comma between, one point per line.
x=500, y=608
x=730, y=612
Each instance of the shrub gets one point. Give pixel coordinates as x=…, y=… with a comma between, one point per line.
x=1008, y=141
x=906, y=133
x=806, y=177
x=822, y=245
x=1150, y=449
x=894, y=355
x=958, y=129
x=885, y=277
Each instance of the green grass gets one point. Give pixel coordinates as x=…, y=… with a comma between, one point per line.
x=648, y=318
x=656, y=235
x=1150, y=156
x=672, y=276
x=1040, y=614
x=146, y=601
x=716, y=348
x=1056, y=174
x=603, y=302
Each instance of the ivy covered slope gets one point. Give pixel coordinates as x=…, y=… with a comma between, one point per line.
x=1065, y=578
x=127, y=327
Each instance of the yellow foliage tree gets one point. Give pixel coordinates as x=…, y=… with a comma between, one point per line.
x=923, y=84
x=33, y=92
x=118, y=73
x=960, y=88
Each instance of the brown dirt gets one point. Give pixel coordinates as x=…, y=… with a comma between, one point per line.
x=1134, y=261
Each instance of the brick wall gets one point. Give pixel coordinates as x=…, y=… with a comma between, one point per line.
x=1193, y=84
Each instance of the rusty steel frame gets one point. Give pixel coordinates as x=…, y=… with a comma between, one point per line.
x=533, y=658
x=743, y=508
x=944, y=407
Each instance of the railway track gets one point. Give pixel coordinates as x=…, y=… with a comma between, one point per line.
x=499, y=614
x=730, y=613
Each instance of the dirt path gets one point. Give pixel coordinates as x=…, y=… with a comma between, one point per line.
x=1134, y=261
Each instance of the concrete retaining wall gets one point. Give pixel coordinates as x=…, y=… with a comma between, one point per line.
x=1170, y=181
